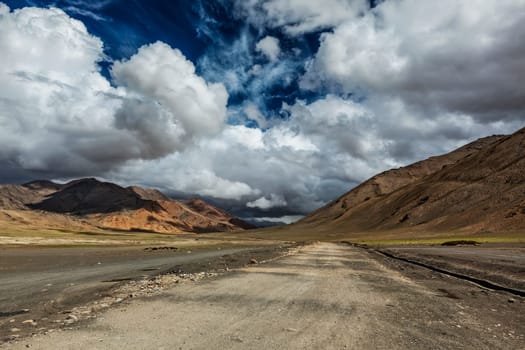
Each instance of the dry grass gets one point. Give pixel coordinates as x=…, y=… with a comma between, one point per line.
x=302, y=233
x=27, y=236
x=16, y=236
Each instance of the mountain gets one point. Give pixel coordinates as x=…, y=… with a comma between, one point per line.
x=479, y=187
x=92, y=204
x=149, y=193
x=88, y=196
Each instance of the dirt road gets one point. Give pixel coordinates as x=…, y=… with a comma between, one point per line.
x=46, y=281
x=327, y=296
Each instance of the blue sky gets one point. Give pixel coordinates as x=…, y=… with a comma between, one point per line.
x=209, y=34
x=269, y=108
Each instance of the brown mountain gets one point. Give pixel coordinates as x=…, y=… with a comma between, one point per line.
x=149, y=193
x=89, y=203
x=477, y=188
x=89, y=196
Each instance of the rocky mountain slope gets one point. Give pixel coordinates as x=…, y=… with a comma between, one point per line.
x=478, y=187
x=91, y=204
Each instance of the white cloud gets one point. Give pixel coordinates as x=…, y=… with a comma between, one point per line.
x=269, y=46
x=191, y=172
x=286, y=219
x=320, y=152
x=297, y=17
x=450, y=55
x=272, y=201
x=253, y=112
x=301, y=163
x=52, y=95
x=162, y=74
x=70, y=118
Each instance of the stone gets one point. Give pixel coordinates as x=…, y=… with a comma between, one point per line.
x=30, y=322
x=71, y=319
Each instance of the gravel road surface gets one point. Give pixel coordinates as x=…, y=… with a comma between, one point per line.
x=326, y=296
x=36, y=283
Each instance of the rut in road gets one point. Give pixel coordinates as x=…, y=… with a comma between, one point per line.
x=326, y=296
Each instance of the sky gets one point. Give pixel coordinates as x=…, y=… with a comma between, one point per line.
x=269, y=109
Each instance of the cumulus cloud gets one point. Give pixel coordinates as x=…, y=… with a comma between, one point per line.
x=297, y=17
x=49, y=84
x=447, y=56
x=59, y=115
x=162, y=74
x=285, y=167
x=269, y=46
x=286, y=219
x=272, y=201
x=321, y=151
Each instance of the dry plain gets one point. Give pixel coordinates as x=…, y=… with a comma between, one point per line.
x=323, y=295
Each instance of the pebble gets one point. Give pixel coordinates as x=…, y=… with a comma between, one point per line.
x=71, y=319
x=30, y=322
x=511, y=300
x=147, y=286
x=237, y=339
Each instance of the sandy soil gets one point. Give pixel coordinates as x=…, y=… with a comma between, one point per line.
x=327, y=296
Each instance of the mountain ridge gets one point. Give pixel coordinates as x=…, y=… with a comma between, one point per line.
x=96, y=204
x=475, y=188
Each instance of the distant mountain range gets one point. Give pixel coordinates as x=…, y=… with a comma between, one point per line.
x=87, y=204
x=479, y=187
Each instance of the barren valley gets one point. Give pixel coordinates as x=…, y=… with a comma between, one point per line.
x=431, y=255
x=321, y=296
